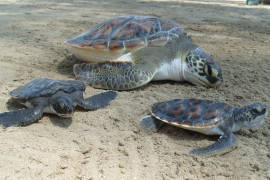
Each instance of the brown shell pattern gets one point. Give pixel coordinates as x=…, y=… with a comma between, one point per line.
x=128, y=32
x=191, y=112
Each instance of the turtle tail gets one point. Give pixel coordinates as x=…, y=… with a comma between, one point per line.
x=112, y=75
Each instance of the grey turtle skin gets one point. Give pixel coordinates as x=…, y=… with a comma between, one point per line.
x=256, y=2
x=253, y=2
x=128, y=52
x=44, y=95
x=206, y=117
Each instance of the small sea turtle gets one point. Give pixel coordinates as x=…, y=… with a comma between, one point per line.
x=256, y=2
x=207, y=117
x=253, y=2
x=44, y=95
x=129, y=51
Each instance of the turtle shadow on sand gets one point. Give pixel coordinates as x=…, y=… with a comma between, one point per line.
x=158, y=83
x=179, y=134
x=65, y=66
x=193, y=138
x=170, y=82
x=55, y=120
x=60, y=122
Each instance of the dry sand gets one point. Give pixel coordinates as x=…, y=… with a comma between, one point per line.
x=107, y=143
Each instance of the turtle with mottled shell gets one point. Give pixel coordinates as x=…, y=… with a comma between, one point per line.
x=206, y=117
x=127, y=52
x=44, y=95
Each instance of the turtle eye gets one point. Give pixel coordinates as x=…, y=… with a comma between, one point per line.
x=207, y=70
x=210, y=71
x=258, y=110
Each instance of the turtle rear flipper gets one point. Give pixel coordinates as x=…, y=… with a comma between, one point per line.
x=150, y=124
x=223, y=144
x=20, y=117
x=98, y=101
x=113, y=75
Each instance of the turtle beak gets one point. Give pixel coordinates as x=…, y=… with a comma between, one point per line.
x=218, y=81
x=68, y=113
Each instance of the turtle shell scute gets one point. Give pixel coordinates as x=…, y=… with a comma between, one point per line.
x=191, y=112
x=128, y=32
x=46, y=87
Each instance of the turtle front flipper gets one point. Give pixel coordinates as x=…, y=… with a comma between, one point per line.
x=112, y=75
x=20, y=117
x=150, y=124
x=98, y=101
x=225, y=143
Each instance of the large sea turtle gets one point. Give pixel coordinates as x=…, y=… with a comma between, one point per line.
x=44, y=95
x=206, y=117
x=129, y=51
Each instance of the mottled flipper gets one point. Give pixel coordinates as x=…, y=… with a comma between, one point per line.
x=98, y=101
x=112, y=75
x=137, y=72
x=150, y=124
x=21, y=117
x=223, y=144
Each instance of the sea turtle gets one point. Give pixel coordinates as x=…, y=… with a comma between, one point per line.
x=44, y=95
x=206, y=117
x=127, y=52
x=256, y=2
x=253, y=2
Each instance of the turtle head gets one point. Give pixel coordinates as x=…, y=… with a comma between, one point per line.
x=251, y=115
x=202, y=69
x=63, y=106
